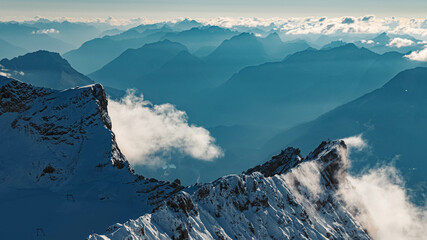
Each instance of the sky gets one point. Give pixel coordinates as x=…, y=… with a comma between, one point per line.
x=160, y=9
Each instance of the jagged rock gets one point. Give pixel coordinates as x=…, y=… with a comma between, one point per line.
x=60, y=147
x=56, y=144
x=289, y=197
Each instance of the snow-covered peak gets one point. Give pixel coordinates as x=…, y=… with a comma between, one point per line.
x=281, y=163
x=62, y=167
x=280, y=202
x=64, y=132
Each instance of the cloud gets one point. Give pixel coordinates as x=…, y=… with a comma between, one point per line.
x=5, y=74
x=46, y=31
x=355, y=142
x=379, y=201
x=148, y=134
x=367, y=41
x=416, y=27
x=400, y=42
x=420, y=55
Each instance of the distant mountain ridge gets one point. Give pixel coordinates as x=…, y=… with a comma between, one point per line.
x=300, y=87
x=8, y=50
x=31, y=37
x=390, y=119
x=132, y=65
x=44, y=69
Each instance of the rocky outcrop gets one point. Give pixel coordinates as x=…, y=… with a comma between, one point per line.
x=60, y=143
x=289, y=197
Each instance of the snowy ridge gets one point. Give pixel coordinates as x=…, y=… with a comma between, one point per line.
x=63, y=164
x=289, y=197
x=51, y=118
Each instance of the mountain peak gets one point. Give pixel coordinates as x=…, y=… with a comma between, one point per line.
x=231, y=207
x=243, y=36
x=334, y=44
x=165, y=44
x=273, y=37
x=347, y=46
x=44, y=69
x=281, y=163
x=327, y=154
x=383, y=38
x=410, y=80
x=40, y=60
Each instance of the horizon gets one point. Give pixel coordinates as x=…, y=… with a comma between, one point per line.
x=129, y=9
x=202, y=119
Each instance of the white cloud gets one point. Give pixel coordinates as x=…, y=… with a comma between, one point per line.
x=420, y=55
x=367, y=41
x=380, y=203
x=292, y=26
x=400, y=42
x=46, y=31
x=5, y=74
x=147, y=134
x=355, y=142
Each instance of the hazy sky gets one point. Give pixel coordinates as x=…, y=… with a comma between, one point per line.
x=14, y=9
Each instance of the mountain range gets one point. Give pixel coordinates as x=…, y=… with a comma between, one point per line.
x=270, y=201
x=45, y=69
x=8, y=50
x=96, y=53
x=67, y=173
x=390, y=119
x=78, y=181
x=32, y=38
x=299, y=88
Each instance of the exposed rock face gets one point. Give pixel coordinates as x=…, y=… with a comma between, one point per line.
x=66, y=174
x=281, y=163
x=289, y=197
x=60, y=143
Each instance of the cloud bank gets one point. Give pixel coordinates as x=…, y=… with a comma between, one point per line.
x=420, y=55
x=383, y=206
x=400, y=42
x=380, y=202
x=46, y=31
x=355, y=142
x=148, y=134
x=368, y=24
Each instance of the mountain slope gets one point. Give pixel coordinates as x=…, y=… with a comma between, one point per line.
x=391, y=120
x=235, y=53
x=94, y=54
x=31, y=38
x=128, y=70
x=61, y=169
x=177, y=79
x=278, y=50
x=300, y=88
x=199, y=37
x=289, y=197
x=44, y=69
x=391, y=42
x=8, y=50
x=74, y=33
